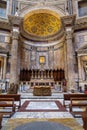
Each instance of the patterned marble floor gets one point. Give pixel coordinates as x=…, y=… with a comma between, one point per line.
x=42, y=105
x=50, y=105
x=44, y=114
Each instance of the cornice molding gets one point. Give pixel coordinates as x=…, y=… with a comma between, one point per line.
x=3, y=50
x=5, y=25
x=71, y=21
x=81, y=23
x=41, y=44
x=82, y=51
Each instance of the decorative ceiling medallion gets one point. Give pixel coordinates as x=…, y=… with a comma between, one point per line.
x=42, y=23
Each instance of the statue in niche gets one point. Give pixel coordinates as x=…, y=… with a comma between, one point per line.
x=16, y=13
x=67, y=11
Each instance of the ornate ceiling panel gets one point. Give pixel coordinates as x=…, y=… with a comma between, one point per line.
x=42, y=23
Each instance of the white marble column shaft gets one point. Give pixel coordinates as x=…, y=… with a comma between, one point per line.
x=65, y=61
x=70, y=59
x=79, y=68
x=14, y=59
x=4, y=69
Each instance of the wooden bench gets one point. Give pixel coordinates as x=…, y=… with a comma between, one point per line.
x=72, y=95
x=84, y=119
x=80, y=103
x=17, y=98
x=7, y=106
x=1, y=120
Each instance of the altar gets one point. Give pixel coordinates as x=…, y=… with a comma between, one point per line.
x=42, y=91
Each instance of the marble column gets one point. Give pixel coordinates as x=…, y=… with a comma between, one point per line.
x=1, y=70
x=85, y=68
x=14, y=58
x=79, y=69
x=65, y=61
x=15, y=23
x=4, y=68
x=70, y=59
x=68, y=23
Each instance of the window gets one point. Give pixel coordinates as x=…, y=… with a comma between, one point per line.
x=3, y=9
x=14, y=5
x=2, y=38
x=82, y=7
x=81, y=38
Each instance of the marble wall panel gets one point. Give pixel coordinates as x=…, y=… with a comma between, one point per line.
x=59, y=59
x=80, y=39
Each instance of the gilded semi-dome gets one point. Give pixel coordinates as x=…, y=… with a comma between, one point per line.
x=42, y=23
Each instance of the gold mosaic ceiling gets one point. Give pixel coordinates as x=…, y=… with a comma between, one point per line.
x=42, y=23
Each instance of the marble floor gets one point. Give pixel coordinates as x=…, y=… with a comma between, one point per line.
x=42, y=105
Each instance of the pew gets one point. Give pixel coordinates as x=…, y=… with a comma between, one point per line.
x=17, y=98
x=7, y=106
x=1, y=120
x=67, y=96
x=77, y=102
x=84, y=119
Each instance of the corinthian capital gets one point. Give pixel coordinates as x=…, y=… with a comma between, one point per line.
x=69, y=33
x=15, y=35
x=68, y=21
x=15, y=20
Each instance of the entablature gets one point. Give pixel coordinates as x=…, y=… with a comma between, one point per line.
x=81, y=23
x=5, y=25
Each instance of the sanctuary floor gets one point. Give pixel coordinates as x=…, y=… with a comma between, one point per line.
x=42, y=107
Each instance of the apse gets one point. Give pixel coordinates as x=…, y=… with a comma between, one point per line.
x=42, y=23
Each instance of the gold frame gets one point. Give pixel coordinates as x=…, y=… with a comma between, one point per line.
x=42, y=59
